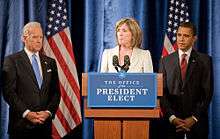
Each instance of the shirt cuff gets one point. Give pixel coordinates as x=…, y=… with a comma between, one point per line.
x=172, y=117
x=25, y=113
x=194, y=118
x=49, y=113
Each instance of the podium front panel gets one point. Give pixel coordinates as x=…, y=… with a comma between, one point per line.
x=122, y=90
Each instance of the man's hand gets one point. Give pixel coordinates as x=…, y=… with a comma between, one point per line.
x=189, y=122
x=33, y=117
x=180, y=125
x=43, y=115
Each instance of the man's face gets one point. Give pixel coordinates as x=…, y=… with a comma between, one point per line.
x=34, y=40
x=185, y=38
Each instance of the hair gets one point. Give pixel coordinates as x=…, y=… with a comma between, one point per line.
x=189, y=25
x=135, y=29
x=26, y=28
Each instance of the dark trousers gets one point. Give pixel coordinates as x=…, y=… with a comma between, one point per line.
x=38, y=132
x=30, y=137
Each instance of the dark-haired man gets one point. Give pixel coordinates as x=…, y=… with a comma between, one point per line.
x=188, y=87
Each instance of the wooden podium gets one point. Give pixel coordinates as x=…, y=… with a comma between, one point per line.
x=124, y=123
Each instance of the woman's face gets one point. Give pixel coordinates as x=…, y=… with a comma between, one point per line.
x=124, y=35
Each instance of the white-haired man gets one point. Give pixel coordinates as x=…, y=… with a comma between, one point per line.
x=31, y=87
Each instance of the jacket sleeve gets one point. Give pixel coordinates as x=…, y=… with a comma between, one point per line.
x=104, y=62
x=164, y=102
x=148, y=65
x=206, y=88
x=9, y=79
x=55, y=91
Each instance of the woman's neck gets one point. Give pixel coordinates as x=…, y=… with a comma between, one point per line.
x=124, y=51
x=125, y=48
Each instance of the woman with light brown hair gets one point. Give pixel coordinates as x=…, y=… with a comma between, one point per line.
x=129, y=40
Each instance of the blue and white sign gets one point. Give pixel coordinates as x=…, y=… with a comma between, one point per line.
x=122, y=90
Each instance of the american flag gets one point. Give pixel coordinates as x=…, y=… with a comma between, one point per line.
x=58, y=45
x=178, y=13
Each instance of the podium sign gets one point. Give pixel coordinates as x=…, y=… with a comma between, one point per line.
x=136, y=90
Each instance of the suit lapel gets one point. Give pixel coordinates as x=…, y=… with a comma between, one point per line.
x=28, y=66
x=115, y=51
x=134, y=57
x=177, y=67
x=191, y=66
x=44, y=70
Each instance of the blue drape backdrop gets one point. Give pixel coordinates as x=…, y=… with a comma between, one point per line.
x=92, y=28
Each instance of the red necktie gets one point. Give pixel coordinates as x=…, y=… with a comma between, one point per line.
x=183, y=66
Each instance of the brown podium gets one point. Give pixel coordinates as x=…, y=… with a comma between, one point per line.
x=124, y=123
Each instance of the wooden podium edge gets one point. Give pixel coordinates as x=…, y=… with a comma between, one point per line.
x=120, y=113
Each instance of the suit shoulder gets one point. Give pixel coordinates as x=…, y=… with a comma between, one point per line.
x=112, y=49
x=202, y=55
x=143, y=52
x=47, y=58
x=170, y=56
x=14, y=55
x=204, y=58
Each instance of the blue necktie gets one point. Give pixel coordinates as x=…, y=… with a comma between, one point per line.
x=36, y=70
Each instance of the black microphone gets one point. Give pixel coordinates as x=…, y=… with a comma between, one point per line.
x=127, y=63
x=115, y=62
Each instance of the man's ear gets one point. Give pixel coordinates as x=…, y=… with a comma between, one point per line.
x=195, y=38
x=25, y=35
x=23, y=38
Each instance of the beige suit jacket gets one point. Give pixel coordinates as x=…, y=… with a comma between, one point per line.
x=140, y=60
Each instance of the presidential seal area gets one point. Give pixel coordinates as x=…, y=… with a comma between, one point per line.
x=121, y=94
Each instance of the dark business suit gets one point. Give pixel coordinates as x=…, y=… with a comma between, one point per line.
x=21, y=92
x=191, y=96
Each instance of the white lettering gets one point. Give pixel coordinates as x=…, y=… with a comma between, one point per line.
x=98, y=91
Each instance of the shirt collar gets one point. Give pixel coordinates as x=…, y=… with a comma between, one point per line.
x=188, y=52
x=29, y=53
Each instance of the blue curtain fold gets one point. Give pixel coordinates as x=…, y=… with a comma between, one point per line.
x=213, y=39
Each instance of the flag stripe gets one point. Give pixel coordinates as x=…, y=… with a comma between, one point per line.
x=64, y=66
x=68, y=44
x=64, y=82
x=67, y=114
x=55, y=134
x=58, y=45
x=164, y=52
x=66, y=110
x=67, y=31
x=63, y=121
x=168, y=47
x=70, y=106
x=58, y=40
x=68, y=90
x=58, y=127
